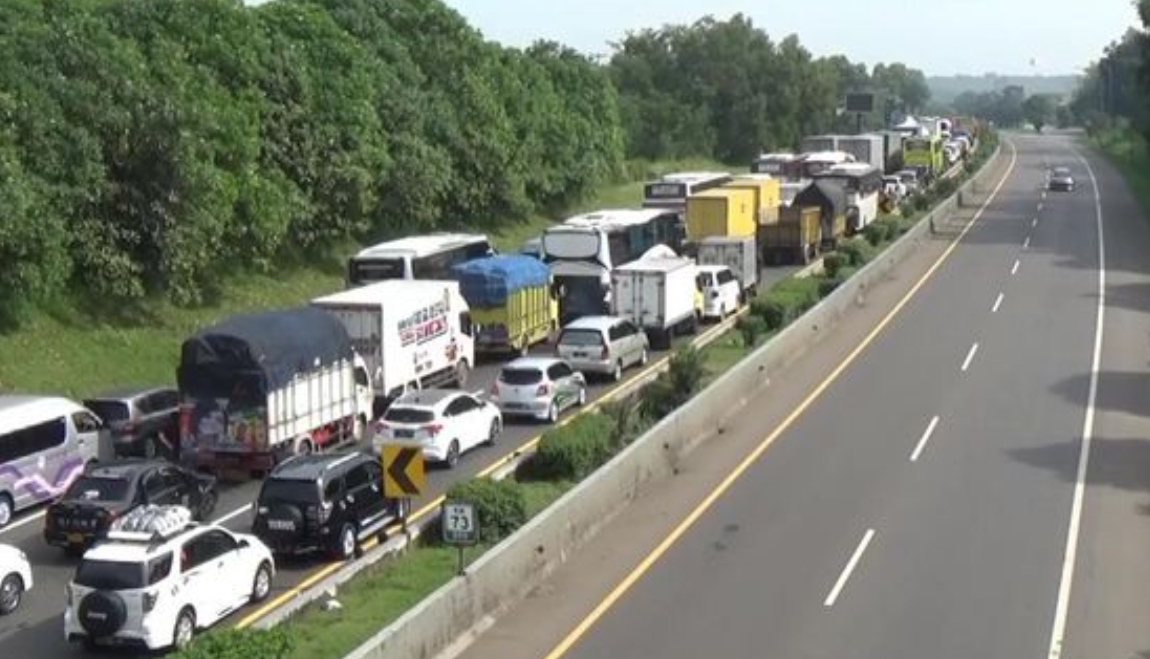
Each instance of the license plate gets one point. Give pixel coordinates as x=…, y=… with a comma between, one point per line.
x=76, y=538
x=405, y=434
x=579, y=355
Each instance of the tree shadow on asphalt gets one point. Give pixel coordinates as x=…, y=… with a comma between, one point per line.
x=1118, y=391
x=1122, y=464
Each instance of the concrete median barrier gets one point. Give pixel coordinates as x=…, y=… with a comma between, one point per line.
x=510, y=570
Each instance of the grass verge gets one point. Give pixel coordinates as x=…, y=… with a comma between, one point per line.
x=1129, y=152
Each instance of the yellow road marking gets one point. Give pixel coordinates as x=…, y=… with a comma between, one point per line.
x=431, y=506
x=637, y=573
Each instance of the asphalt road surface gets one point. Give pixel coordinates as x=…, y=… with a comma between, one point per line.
x=36, y=629
x=932, y=500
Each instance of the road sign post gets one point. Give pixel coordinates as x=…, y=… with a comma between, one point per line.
x=404, y=476
x=460, y=526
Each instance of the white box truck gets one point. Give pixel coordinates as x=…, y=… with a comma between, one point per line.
x=258, y=388
x=410, y=333
x=658, y=293
x=738, y=254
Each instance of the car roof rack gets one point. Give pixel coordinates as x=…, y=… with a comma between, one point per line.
x=152, y=524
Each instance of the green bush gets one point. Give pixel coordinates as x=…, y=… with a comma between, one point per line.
x=274, y=643
x=500, y=505
x=828, y=286
x=786, y=301
x=626, y=418
x=751, y=327
x=572, y=451
x=832, y=263
x=858, y=252
x=772, y=311
x=685, y=372
x=923, y=201
x=874, y=233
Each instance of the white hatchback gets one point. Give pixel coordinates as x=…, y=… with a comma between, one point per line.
x=446, y=424
x=15, y=578
x=538, y=387
x=159, y=577
x=722, y=294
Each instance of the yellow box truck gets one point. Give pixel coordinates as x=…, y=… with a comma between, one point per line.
x=727, y=212
x=768, y=194
x=512, y=303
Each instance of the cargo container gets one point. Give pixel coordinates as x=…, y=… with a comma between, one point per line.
x=411, y=334
x=660, y=294
x=722, y=211
x=768, y=194
x=794, y=239
x=867, y=148
x=738, y=254
x=816, y=143
x=512, y=303
x=258, y=388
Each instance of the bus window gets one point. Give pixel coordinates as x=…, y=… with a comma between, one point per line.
x=367, y=272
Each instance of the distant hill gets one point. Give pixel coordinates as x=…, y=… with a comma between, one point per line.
x=943, y=89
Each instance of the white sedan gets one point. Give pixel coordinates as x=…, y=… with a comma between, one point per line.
x=445, y=423
x=15, y=578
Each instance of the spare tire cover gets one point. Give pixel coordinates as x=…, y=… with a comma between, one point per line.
x=285, y=521
x=102, y=613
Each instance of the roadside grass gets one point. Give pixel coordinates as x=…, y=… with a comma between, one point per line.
x=387, y=590
x=1129, y=152
x=79, y=348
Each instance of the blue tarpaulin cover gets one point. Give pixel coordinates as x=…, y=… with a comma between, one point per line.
x=488, y=282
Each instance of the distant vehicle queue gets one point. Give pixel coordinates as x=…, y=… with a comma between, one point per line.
x=267, y=394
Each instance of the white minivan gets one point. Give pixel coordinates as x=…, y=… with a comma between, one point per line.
x=45, y=442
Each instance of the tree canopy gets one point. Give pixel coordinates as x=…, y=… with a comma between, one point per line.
x=152, y=148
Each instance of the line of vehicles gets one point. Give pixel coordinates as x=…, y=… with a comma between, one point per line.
x=131, y=476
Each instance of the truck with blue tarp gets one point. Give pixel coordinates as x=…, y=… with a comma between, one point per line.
x=512, y=302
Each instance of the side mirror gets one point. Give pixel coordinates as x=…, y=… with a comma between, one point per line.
x=244, y=544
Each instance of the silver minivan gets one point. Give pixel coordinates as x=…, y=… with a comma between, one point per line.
x=603, y=344
x=45, y=443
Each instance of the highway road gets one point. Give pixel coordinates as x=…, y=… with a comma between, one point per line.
x=919, y=485
x=36, y=630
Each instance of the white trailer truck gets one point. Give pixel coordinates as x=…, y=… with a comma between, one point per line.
x=258, y=388
x=659, y=293
x=411, y=334
x=738, y=254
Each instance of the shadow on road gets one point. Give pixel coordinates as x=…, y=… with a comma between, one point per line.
x=1118, y=391
x=1119, y=463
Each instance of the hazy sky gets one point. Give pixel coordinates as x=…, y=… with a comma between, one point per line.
x=940, y=37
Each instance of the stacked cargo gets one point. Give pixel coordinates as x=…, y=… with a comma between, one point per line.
x=512, y=306
x=768, y=195
x=726, y=211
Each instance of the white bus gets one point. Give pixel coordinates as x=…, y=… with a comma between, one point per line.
x=671, y=191
x=45, y=443
x=584, y=250
x=781, y=165
x=817, y=162
x=860, y=185
x=429, y=256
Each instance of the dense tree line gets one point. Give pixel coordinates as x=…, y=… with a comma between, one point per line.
x=152, y=146
x=725, y=89
x=1118, y=84
x=155, y=147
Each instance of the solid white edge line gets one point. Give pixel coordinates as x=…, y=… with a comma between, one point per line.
x=1062, y=609
x=998, y=303
x=925, y=438
x=1014, y=270
x=969, y=357
x=850, y=567
x=24, y=522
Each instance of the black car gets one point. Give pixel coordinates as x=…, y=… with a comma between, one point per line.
x=144, y=421
x=108, y=490
x=1061, y=179
x=328, y=502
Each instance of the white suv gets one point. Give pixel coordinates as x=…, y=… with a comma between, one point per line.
x=15, y=578
x=159, y=577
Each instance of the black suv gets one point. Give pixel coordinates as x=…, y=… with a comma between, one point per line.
x=144, y=421
x=110, y=490
x=329, y=502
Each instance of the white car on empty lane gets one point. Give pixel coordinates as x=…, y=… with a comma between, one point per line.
x=446, y=424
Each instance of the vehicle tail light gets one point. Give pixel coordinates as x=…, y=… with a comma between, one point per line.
x=604, y=353
x=312, y=513
x=494, y=388
x=543, y=390
x=324, y=513
x=150, y=598
x=433, y=429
